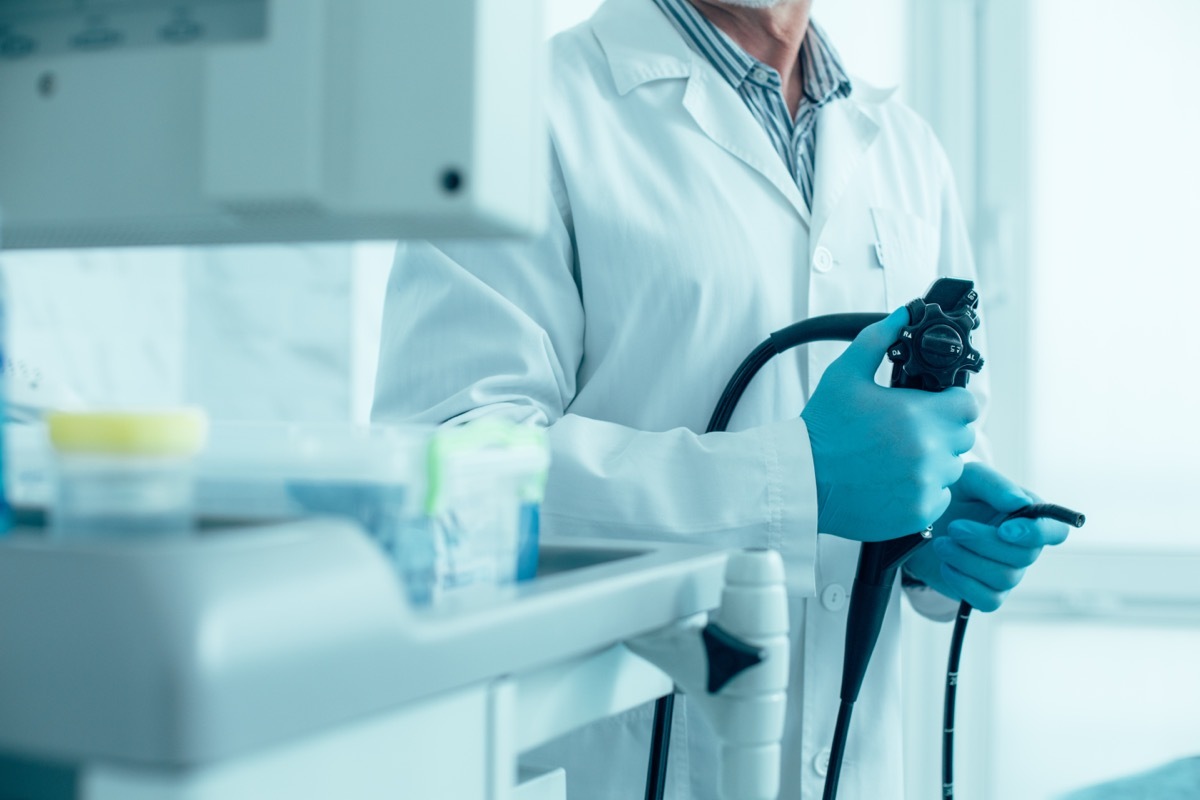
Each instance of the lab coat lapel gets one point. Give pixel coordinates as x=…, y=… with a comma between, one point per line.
x=724, y=118
x=642, y=46
x=844, y=133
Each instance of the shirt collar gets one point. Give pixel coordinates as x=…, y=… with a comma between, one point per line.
x=824, y=76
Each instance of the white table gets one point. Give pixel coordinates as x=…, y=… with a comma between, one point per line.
x=285, y=662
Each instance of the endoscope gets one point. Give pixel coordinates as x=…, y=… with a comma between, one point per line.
x=934, y=352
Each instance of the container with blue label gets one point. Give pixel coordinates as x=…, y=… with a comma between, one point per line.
x=454, y=509
x=480, y=473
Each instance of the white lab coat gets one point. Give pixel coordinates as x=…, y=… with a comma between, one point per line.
x=677, y=240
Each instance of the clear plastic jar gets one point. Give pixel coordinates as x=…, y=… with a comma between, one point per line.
x=123, y=474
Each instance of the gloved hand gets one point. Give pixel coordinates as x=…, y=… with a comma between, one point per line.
x=974, y=556
x=884, y=458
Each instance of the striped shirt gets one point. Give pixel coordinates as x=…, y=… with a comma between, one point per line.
x=762, y=89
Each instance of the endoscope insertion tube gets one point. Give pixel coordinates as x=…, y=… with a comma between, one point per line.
x=1033, y=511
x=831, y=327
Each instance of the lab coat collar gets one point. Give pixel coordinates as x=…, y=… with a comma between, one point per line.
x=642, y=46
x=722, y=114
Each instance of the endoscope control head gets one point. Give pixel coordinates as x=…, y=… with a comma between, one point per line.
x=934, y=351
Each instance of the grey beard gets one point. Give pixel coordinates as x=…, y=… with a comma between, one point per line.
x=757, y=3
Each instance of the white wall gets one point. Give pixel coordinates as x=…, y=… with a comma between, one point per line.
x=275, y=332
x=562, y=14
x=870, y=35
x=96, y=326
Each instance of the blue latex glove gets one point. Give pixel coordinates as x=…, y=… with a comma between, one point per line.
x=884, y=458
x=974, y=556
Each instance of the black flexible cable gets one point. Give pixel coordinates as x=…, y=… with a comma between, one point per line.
x=956, y=641
x=1049, y=511
x=827, y=328
x=660, y=747
x=1034, y=511
x=738, y=383
x=841, y=730
x=830, y=327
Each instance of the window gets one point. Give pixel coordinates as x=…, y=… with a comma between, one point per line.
x=1115, y=194
x=1072, y=128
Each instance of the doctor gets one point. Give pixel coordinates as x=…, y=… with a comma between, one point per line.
x=716, y=175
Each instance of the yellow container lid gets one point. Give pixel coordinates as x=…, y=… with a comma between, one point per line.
x=181, y=432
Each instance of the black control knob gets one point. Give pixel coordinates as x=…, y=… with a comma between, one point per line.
x=941, y=345
x=934, y=351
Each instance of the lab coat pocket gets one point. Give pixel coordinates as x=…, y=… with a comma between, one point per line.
x=906, y=246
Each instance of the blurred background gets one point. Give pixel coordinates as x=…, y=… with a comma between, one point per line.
x=1072, y=127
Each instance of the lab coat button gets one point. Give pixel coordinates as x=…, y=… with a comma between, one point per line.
x=822, y=259
x=834, y=597
x=821, y=762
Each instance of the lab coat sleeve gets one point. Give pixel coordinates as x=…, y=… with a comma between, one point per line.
x=955, y=259
x=497, y=329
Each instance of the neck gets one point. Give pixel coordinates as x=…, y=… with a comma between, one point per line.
x=771, y=35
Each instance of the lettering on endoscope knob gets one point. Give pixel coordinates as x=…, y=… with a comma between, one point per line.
x=941, y=345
